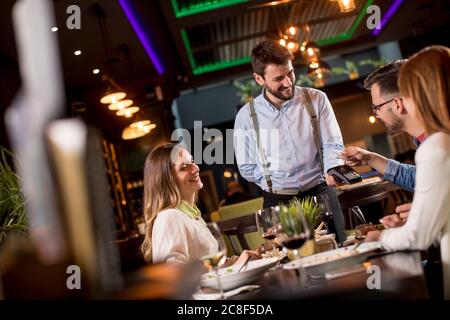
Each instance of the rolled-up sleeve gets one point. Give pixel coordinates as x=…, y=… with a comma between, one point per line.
x=245, y=148
x=332, y=142
x=403, y=175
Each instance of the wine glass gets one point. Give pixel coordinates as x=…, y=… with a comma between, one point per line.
x=268, y=223
x=323, y=201
x=217, y=256
x=295, y=229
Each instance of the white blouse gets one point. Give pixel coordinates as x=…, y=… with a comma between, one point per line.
x=429, y=218
x=179, y=238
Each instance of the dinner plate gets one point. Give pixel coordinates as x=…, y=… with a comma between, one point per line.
x=231, y=278
x=321, y=263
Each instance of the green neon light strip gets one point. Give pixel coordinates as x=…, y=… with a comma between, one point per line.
x=204, y=6
x=187, y=45
x=349, y=34
x=227, y=64
x=220, y=65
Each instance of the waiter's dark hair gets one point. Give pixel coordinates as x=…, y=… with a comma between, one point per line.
x=269, y=52
x=385, y=77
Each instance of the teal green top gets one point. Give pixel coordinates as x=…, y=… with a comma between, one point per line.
x=192, y=212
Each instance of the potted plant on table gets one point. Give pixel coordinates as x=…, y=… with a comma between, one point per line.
x=291, y=222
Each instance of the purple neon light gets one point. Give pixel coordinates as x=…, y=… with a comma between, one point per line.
x=390, y=12
x=142, y=35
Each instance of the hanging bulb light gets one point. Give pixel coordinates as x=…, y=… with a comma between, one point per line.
x=120, y=104
x=289, y=42
x=292, y=31
x=127, y=112
x=310, y=51
x=320, y=73
x=292, y=45
x=346, y=5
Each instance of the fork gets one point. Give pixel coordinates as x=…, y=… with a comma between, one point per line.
x=356, y=246
x=244, y=264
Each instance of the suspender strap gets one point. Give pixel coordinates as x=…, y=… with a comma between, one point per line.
x=263, y=159
x=315, y=125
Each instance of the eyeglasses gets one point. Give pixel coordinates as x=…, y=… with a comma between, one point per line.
x=375, y=108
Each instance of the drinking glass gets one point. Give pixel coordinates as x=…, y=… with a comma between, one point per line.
x=215, y=258
x=268, y=223
x=326, y=213
x=295, y=230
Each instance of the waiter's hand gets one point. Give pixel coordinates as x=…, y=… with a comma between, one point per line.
x=330, y=180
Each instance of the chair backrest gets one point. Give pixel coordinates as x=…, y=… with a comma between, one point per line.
x=241, y=209
x=236, y=229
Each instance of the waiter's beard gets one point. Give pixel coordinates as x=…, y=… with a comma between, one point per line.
x=282, y=93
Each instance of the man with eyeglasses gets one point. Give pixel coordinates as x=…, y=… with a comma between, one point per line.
x=387, y=106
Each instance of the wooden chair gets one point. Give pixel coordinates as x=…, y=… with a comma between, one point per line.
x=237, y=210
x=235, y=229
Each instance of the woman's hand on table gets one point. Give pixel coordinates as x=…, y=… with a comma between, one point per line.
x=248, y=255
x=398, y=218
x=403, y=210
x=243, y=258
x=392, y=221
x=372, y=236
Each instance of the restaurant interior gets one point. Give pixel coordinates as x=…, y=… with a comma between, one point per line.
x=88, y=88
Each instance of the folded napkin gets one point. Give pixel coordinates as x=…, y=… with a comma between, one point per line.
x=199, y=295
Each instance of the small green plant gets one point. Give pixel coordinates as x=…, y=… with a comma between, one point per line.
x=375, y=63
x=246, y=89
x=289, y=215
x=12, y=203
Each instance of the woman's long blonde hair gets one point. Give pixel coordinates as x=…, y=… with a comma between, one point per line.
x=160, y=191
x=425, y=79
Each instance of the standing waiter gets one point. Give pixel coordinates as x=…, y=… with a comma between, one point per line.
x=302, y=123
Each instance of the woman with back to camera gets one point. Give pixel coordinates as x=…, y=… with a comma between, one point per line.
x=174, y=228
x=424, y=88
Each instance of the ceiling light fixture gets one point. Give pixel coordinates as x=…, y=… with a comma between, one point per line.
x=114, y=93
x=96, y=71
x=120, y=105
x=77, y=52
x=127, y=112
x=137, y=129
x=112, y=96
x=54, y=29
x=345, y=5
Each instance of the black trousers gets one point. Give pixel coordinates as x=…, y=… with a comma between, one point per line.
x=336, y=225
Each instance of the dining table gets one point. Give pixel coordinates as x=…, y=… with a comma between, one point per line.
x=400, y=276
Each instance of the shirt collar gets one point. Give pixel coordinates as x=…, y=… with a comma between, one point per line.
x=192, y=212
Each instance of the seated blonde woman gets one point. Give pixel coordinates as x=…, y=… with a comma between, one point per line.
x=424, y=88
x=174, y=228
